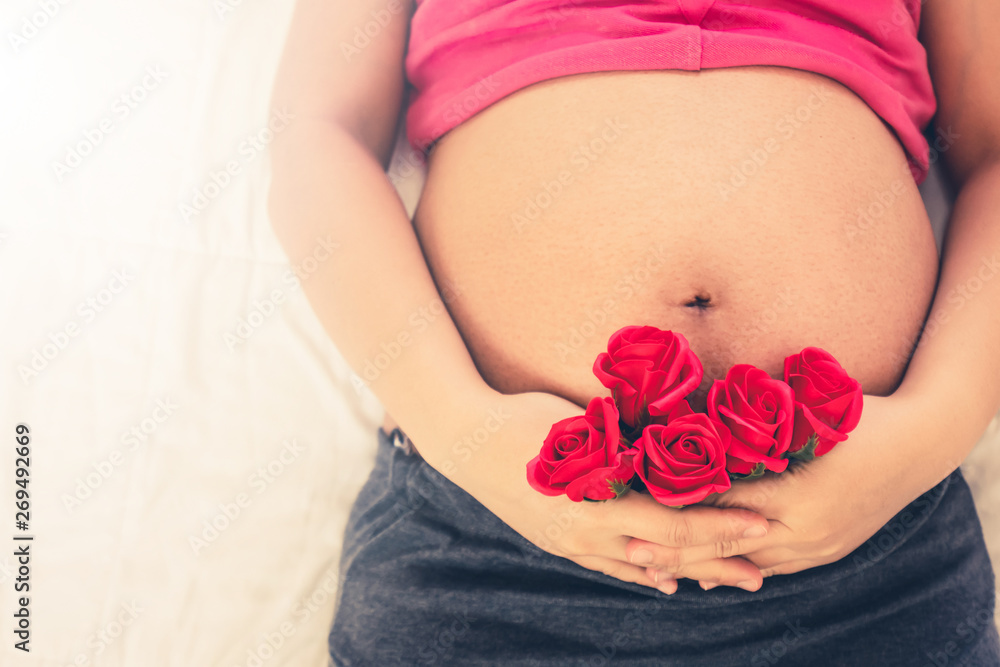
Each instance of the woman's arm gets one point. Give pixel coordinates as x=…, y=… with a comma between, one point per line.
x=328, y=180
x=955, y=369
x=908, y=442
x=328, y=183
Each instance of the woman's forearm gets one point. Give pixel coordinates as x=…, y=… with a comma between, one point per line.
x=375, y=296
x=954, y=373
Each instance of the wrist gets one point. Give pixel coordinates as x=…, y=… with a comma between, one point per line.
x=491, y=441
x=927, y=441
x=480, y=449
x=433, y=419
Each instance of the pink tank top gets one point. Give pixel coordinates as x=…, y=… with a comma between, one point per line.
x=466, y=54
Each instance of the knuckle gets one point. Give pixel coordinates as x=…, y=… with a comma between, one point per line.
x=826, y=544
x=678, y=532
x=670, y=560
x=827, y=534
x=832, y=550
x=823, y=550
x=822, y=535
x=726, y=549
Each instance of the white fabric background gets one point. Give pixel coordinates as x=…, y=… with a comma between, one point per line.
x=118, y=559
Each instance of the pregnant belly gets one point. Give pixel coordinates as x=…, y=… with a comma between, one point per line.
x=755, y=210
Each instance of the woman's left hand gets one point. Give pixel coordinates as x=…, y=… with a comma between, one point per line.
x=823, y=510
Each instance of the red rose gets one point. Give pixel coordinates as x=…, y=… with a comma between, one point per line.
x=759, y=412
x=648, y=371
x=828, y=401
x=584, y=456
x=683, y=461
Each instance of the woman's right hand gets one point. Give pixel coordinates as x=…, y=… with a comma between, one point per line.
x=699, y=542
x=327, y=177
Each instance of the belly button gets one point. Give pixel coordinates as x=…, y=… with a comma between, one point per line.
x=701, y=301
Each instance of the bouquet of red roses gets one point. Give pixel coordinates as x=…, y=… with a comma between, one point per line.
x=647, y=431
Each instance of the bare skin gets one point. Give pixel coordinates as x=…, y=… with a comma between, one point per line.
x=523, y=289
x=663, y=226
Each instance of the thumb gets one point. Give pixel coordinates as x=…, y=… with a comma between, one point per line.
x=753, y=494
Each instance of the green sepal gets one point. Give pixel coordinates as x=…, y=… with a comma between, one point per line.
x=758, y=471
x=808, y=451
x=620, y=488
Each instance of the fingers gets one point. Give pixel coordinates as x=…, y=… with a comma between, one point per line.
x=720, y=563
x=735, y=571
x=644, y=518
x=756, y=495
x=656, y=545
x=787, y=567
x=678, y=561
x=628, y=572
x=732, y=571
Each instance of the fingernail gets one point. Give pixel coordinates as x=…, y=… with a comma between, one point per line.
x=755, y=531
x=706, y=586
x=668, y=587
x=748, y=585
x=642, y=556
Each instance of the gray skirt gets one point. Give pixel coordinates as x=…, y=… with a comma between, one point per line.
x=431, y=577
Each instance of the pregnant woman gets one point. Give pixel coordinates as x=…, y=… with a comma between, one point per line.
x=742, y=173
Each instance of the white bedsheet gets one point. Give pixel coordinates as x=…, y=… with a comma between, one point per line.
x=196, y=439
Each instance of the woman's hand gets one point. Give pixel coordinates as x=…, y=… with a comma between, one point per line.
x=697, y=542
x=821, y=511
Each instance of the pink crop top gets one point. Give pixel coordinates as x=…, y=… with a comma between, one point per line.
x=466, y=54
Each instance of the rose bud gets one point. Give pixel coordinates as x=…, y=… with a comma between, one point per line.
x=683, y=461
x=828, y=401
x=584, y=456
x=648, y=371
x=759, y=412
